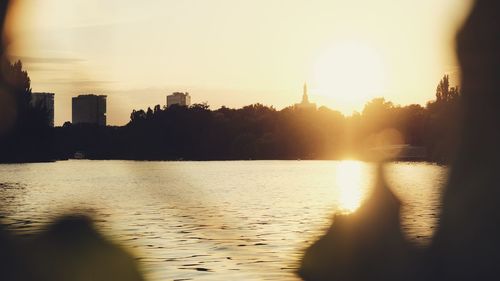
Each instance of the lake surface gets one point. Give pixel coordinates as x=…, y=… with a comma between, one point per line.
x=228, y=220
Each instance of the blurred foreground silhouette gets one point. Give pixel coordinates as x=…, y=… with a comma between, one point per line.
x=365, y=245
x=368, y=245
x=466, y=245
x=70, y=248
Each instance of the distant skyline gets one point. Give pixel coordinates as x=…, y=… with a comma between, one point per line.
x=235, y=52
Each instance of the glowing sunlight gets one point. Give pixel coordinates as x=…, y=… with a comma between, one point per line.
x=349, y=179
x=349, y=74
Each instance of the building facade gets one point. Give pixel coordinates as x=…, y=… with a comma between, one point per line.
x=182, y=99
x=89, y=109
x=44, y=101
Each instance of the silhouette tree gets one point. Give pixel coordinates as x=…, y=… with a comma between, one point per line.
x=29, y=137
x=443, y=122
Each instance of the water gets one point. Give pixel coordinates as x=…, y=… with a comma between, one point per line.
x=233, y=220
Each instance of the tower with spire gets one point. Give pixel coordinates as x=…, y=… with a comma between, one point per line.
x=305, y=98
x=305, y=104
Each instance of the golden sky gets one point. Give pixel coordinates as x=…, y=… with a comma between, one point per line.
x=235, y=52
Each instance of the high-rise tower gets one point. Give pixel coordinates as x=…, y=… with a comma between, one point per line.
x=89, y=109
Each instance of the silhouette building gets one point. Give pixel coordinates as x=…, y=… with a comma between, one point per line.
x=89, y=109
x=182, y=99
x=305, y=104
x=46, y=102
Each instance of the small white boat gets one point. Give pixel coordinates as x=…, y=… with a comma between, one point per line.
x=79, y=155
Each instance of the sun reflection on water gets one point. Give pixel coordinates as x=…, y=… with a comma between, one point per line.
x=351, y=183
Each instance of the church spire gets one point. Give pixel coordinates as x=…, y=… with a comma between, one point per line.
x=305, y=98
x=305, y=104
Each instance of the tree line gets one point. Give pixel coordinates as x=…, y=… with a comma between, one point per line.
x=261, y=132
x=252, y=132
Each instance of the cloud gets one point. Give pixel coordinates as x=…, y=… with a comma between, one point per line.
x=46, y=60
x=79, y=82
x=74, y=85
x=89, y=81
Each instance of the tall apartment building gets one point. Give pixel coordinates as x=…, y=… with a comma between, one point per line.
x=178, y=98
x=89, y=109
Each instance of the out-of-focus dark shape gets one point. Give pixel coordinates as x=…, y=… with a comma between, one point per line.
x=11, y=259
x=10, y=267
x=467, y=243
x=25, y=133
x=7, y=105
x=365, y=245
x=4, y=5
x=71, y=249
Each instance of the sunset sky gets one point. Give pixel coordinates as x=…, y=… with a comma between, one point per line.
x=235, y=52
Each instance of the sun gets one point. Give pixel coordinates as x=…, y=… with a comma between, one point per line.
x=348, y=74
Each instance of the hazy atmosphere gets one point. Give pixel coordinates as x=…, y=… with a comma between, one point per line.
x=325, y=140
x=235, y=53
